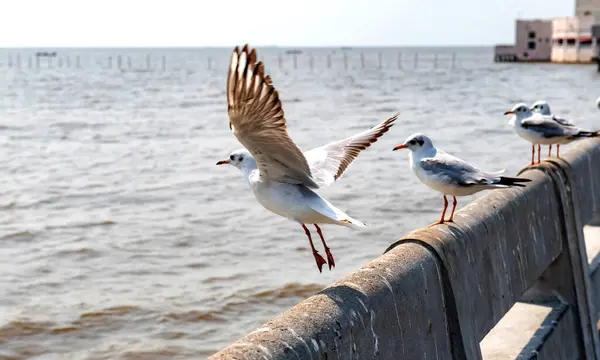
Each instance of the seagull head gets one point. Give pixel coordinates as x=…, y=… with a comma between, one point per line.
x=238, y=158
x=541, y=107
x=519, y=110
x=416, y=142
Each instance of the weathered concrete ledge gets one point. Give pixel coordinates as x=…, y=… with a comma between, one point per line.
x=437, y=292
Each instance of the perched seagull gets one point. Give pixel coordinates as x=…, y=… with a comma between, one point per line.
x=543, y=108
x=280, y=175
x=450, y=175
x=543, y=129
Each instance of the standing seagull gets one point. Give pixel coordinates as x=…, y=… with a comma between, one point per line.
x=543, y=129
x=450, y=175
x=278, y=172
x=543, y=108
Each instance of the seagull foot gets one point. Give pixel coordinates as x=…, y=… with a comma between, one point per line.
x=330, y=260
x=437, y=223
x=320, y=260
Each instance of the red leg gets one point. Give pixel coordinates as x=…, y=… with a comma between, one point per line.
x=532, y=154
x=330, y=260
x=318, y=258
x=453, y=208
x=443, y=213
x=549, y=150
x=539, y=153
x=557, y=150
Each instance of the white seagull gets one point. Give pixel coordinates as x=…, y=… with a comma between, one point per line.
x=450, y=175
x=543, y=129
x=278, y=172
x=543, y=108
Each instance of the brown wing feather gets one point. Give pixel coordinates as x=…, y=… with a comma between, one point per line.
x=256, y=119
x=361, y=143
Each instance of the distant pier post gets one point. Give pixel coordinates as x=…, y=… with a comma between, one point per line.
x=453, y=60
x=119, y=61
x=345, y=61
x=329, y=61
x=416, y=60
x=380, y=60
x=399, y=60
x=148, y=62
x=362, y=60
x=295, y=61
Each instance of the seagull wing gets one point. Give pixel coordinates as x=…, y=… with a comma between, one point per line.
x=257, y=121
x=328, y=162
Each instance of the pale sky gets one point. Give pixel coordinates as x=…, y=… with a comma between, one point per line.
x=111, y=23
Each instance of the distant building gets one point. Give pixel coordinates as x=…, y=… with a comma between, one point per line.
x=584, y=8
x=532, y=42
x=572, y=40
x=564, y=40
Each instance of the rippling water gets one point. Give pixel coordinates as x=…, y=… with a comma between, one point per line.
x=119, y=237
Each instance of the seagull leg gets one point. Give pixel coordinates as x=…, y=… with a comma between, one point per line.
x=318, y=258
x=539, y=153
x=549, y=150
x=453, y=208
x=532, y=154
x=330, y=260
x=443, y=213
x=557, y=150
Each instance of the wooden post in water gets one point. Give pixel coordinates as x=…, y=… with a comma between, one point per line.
x=311, y=62
x=148, y=62
x=77, y=62
x=435, y=61
x=345, y=61
x=416, y=60
x=362, y=60
x=453, y=60
x=10, y=62
x=37, y=62
x=68, y=62
x=60, y=62
x=129, y=62
x=380, y=60
x=18, y=61
x=329, y=61
x=399, y=60
x=164, y=62
x=119, y=61
x=295, y=61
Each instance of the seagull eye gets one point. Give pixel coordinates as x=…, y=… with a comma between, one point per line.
x=231, y=157
x=412, y=142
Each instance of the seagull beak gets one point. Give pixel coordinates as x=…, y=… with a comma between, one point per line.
x=223, y=162
x=400, y=147
x=509, y=112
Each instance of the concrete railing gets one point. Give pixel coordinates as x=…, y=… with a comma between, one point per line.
x=438, y=292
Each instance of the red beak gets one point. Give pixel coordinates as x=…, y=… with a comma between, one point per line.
x=223, y=162
x=508, y=112
x=400, y=147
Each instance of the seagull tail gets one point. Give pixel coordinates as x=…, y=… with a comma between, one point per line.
x=587, y=133
x=512, y=181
